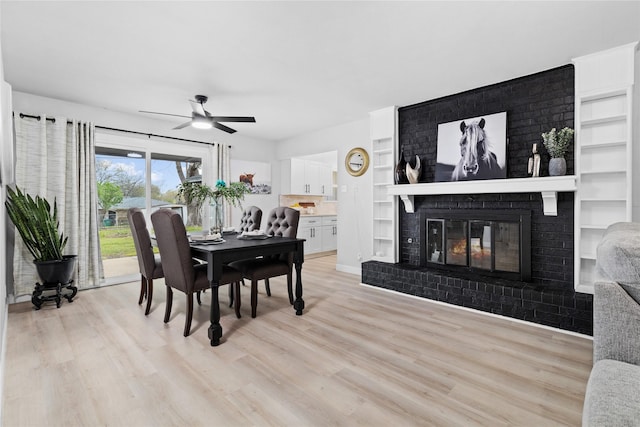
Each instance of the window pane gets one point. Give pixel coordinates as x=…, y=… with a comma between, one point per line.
x=121, y=185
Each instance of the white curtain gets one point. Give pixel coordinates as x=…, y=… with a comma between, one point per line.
x=55, y=158
x=224, y=173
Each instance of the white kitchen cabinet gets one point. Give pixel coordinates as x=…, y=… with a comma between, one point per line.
x=320, y=232
x=308, y=177
x=310, y=229
x=329, y=233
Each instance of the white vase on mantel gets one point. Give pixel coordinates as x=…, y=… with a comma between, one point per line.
x=557, y=166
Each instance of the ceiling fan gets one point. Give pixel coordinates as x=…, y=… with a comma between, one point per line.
x=202, y=119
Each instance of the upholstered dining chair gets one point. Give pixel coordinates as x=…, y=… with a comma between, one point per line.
x=282, y=221
x=150, y=265
x=251, y=219
x=180, y=272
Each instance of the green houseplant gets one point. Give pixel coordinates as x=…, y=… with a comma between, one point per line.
x=196, y=193
x=37, y=223
x=557, y=145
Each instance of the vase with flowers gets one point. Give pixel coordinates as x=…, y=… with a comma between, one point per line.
x=557, y=144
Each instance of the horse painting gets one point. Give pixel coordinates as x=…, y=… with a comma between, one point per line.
x=477, y=161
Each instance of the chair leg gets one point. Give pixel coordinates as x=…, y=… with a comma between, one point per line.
x=167, y=311
x=149, y=296
x=143, y=289
x=290, y=286
x=187, y=321
x=198, y=298
x=237, y=302
x=254, y=297
x=267, y=287
x=231, y=291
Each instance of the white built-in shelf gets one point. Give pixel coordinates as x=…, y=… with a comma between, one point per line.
x=383, y=201
x=590, y=256
x=383, y=238
x=384, y=151
x=594, y=226
x=602, y=120
x=610, y=144
x=382, y=167
x=548, y=187
x=383, y=219
x=600, y=172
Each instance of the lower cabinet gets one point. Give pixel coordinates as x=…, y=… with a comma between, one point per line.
x=320, y=233
x=329, y=233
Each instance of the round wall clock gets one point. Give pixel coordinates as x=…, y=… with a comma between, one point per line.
x=357, y=161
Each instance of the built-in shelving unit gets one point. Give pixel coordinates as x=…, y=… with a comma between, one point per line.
x=385, y=210
x=603, y=152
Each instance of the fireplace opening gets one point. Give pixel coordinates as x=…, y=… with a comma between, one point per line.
x=489, y=242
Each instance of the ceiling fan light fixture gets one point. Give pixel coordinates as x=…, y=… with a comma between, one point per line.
x=201, y=123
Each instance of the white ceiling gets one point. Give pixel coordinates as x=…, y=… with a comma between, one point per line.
x=295, y=66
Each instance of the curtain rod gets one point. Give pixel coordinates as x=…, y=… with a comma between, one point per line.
x=53, y=120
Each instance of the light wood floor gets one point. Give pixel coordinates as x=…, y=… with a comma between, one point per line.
x=358, y=356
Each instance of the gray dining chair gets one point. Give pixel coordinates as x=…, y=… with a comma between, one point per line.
x=251, y=219
x=180, y=272
x=149, y=264
x=282, y=221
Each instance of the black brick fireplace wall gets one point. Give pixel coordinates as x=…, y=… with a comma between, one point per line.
x=534, y=104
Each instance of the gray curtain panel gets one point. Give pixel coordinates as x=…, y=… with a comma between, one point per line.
x=56, y=159
x=224, y=173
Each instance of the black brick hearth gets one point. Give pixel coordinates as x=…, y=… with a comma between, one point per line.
x=534, y=104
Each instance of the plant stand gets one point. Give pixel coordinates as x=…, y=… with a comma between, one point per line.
x=53, y=292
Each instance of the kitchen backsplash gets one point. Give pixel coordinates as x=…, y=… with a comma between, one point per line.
x=301, y=202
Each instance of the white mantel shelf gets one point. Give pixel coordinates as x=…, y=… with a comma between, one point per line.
x=547, y=186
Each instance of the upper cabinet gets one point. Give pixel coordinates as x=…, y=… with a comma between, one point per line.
x=308, y=177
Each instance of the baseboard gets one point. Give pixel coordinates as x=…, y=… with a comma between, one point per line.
x=349, y=269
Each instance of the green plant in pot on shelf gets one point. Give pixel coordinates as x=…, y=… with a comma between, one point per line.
x=557, y=144
x=37, y=223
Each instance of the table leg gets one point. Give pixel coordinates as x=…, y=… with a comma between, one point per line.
x=215, y=330
x=298, y=304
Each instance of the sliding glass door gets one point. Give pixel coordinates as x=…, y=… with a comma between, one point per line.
x=144, y=174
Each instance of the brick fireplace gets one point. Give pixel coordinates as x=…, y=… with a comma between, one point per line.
x=545, y=294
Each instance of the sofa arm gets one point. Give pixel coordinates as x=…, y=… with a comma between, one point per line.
x=616, y=324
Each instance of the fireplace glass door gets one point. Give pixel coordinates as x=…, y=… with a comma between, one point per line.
x=480, y=244
x=507, y=246
x=456, y=238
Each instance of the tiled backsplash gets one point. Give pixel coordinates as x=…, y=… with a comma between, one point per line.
x=322, y=207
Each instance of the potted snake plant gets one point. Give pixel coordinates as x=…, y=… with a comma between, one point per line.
x=38, y=225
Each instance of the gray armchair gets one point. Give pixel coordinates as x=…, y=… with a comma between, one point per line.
x=149, y=264
x=180, y=272
x=613, y=391
x=282, y=221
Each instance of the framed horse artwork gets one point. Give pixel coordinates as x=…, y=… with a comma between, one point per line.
x=473, y=148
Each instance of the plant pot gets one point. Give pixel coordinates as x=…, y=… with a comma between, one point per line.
x=557, y=166
x=57, y=271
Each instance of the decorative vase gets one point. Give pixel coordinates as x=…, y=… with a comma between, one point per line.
x=217, y=215
x=413, y=172
x=557, y=166
x=400, y=172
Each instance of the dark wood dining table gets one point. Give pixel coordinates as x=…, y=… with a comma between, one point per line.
x=234, y=249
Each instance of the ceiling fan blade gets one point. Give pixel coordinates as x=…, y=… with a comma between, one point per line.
x=184, y=125
x=198, y=108
x=223, y=127
x=164, y=114
x=234, y=119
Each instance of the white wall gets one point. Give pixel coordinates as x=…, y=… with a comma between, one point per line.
x=3, y=236
x=354, y=193
x=242, y=147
